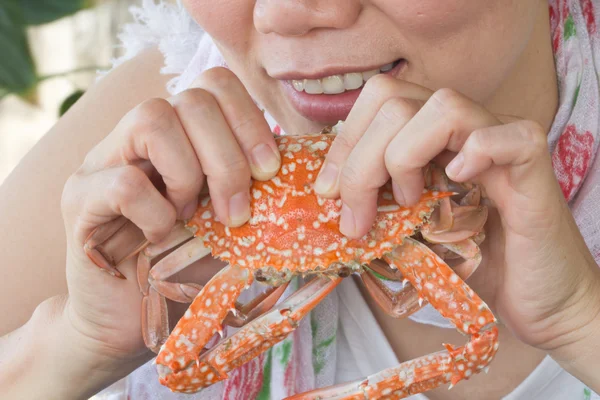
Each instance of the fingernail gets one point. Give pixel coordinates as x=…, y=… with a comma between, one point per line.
x=456, y=165
x=327, y=178
x=189, y=210
x=265, y=159
x=398, y=194
x=347, y=221
x=239, y=209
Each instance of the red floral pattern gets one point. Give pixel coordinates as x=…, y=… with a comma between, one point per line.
x=571, y=159
x=245, y=382
x=590, y=17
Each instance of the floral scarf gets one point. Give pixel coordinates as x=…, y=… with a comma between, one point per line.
x=307, y=358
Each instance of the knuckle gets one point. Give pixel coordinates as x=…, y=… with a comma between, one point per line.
x=154, y=115
x=398, y=108
x=343, y=142
x=450, y=104
x=479, y=140
x=219, y=78
x=196, y=99
x=231, y=166
x=392, y=160
x=129, y=183
x=352, y=178
x=533, y=135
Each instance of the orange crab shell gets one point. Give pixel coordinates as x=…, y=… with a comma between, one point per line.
x=295, y=231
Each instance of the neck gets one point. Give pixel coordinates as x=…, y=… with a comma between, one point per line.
x=531, y=90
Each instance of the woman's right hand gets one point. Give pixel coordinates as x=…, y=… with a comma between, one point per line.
x=210, y=135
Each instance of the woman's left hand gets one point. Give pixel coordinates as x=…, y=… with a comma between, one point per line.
x=545, y=285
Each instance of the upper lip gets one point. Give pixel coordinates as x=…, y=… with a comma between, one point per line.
x=324, y=72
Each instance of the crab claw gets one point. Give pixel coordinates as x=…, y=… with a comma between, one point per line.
x=181, y=365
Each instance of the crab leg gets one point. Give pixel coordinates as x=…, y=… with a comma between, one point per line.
x=442, y=287
x=406, y=301
x=181, y=366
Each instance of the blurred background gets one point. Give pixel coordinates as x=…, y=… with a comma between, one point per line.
x=50, y=51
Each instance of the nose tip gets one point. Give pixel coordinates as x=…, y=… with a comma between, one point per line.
x=298, y=17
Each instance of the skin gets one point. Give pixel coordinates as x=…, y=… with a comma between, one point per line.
x=538, y=274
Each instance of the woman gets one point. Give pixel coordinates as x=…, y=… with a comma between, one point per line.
x=520, y=117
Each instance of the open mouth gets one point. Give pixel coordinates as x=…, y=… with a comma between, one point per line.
x=336, y=84
x=329, y=99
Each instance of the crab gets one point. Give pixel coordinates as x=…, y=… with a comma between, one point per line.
x=427, y=249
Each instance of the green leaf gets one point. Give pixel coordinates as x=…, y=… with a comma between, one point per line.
x=17, y=68
x=570, y=29
x=69, y=101
x=37, y=12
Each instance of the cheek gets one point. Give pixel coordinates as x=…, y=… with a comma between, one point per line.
x=469, y=45
x=228, y=22
x=433, y=18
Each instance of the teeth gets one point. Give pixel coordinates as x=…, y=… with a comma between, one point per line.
x=333, y=84
x=298, y=85
x=313, y=86
x=387, y=67
x=369, y=74
x=353, y=80
x=338, y=83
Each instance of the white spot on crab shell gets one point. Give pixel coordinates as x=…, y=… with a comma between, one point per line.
x=208, y=302
x=316, y=224
x=454, y=278
x=277, y=181
x=481, y=320
x=461, y=367
x=429, y=285
x=317, y=251
x=405, y=213
x=292, y=167
x=225, y=254
x=237, y=251
x=294, y=147
x=468, y=373
x=210, y=376
x=319, y=146
x=256, y=194
x=260, y=246
x=332, y=247
x=408, y=226
x=188, y=314
x=206, y=215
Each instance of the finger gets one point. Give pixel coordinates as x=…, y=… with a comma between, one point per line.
x=152, y=131
x=519, y=145
x=364, y=172
x=223, y=162
x=443, y=123
x=377, y=91
x=93, y=200
x=246, y=121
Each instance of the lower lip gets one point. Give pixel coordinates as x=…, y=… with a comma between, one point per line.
x=328, y=108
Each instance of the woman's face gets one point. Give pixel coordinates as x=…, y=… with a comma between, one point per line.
x=282, y=49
